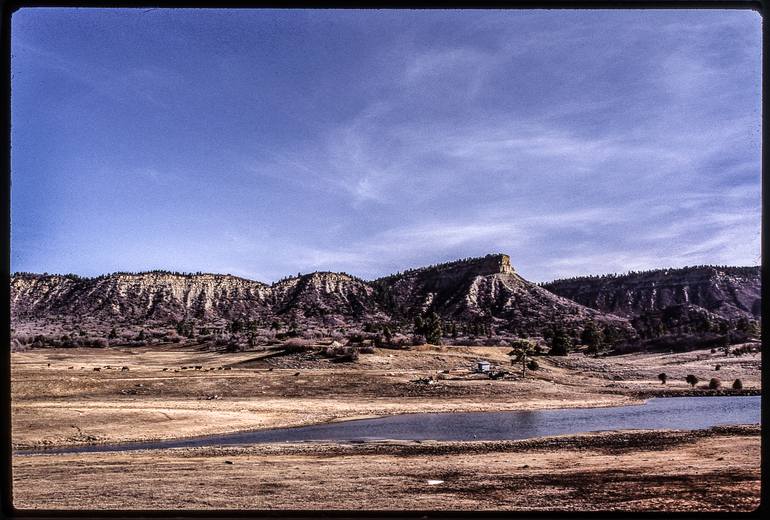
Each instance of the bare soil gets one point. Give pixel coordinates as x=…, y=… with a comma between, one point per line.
x=59, y=399
x=707, y=470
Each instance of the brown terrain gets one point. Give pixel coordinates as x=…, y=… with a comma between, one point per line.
x=162, y=355
x=56, y=405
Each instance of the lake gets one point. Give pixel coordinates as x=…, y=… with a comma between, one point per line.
x=674, y=413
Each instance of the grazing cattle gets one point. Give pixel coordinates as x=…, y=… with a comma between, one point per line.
x=97, y=369
x=124, y=369
x=70, y=368
x=198, y=367
x=165, y=369
x=228, y=368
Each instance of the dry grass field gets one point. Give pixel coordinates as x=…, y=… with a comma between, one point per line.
x=59, y=399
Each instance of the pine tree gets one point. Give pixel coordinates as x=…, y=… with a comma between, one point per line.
x=560, y=342
x=592, y=337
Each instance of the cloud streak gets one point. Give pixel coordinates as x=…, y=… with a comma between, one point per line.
x=578, y=142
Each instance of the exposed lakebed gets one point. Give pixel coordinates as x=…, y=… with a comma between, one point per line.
x=671, y=413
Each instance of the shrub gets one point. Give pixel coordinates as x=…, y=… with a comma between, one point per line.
x=717, y=367
x=715, y=383
x=533, y=365
x=663, y=378
x=399, y=340
x=691, y=380
x=348, y=357
x=366, y=350
x=737, y=384
x=295, y=345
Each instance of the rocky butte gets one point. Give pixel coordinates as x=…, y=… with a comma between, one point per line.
x=475, y=294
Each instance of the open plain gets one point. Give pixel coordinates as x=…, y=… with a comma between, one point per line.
x=173, y=391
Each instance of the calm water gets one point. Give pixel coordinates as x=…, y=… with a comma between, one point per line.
x=678, y=413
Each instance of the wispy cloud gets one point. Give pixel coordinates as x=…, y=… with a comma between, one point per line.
x=578, y=142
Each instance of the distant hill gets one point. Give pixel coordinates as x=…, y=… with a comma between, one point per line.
x=728, y=292
x=484, y=289
x=484, y=298
x=478, y=290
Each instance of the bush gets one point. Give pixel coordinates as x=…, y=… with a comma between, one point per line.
x=533, y=365
x=663, y=378
x=737, y=384
x=366, y=350
x=717, y=367
x=295, y=345
x=399, y=340
x=418, y=339
x=691, y=380
x=25, y=339
x=348, y=357
x=715, y=383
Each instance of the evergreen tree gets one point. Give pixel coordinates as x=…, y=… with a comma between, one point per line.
x=387, y=335
x=592, y=337
x=432, y=329
x=560, y=342
x=522, y=349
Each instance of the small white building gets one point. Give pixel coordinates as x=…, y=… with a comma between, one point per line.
x=482, y=366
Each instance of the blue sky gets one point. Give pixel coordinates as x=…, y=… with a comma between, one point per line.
x=270, y=142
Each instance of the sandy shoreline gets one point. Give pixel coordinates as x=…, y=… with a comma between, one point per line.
x=604, y=471
x=55, y=405
x=58, y=400
x=387, y=408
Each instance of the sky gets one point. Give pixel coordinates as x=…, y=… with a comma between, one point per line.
x=263, y=143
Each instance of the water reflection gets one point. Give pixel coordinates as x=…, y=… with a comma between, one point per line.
x=685, y=413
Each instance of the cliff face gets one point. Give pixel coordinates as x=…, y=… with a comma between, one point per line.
x=486, y=289
x=135, y=297
x=325, y=294
x=728, y=292
x=474, y=290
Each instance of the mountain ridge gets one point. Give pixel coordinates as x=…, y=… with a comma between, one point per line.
x=731, y=292
x=482, y=293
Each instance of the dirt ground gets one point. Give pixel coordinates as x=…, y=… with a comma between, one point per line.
x=54, y=405
x=59, y=399
x=706, y=470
